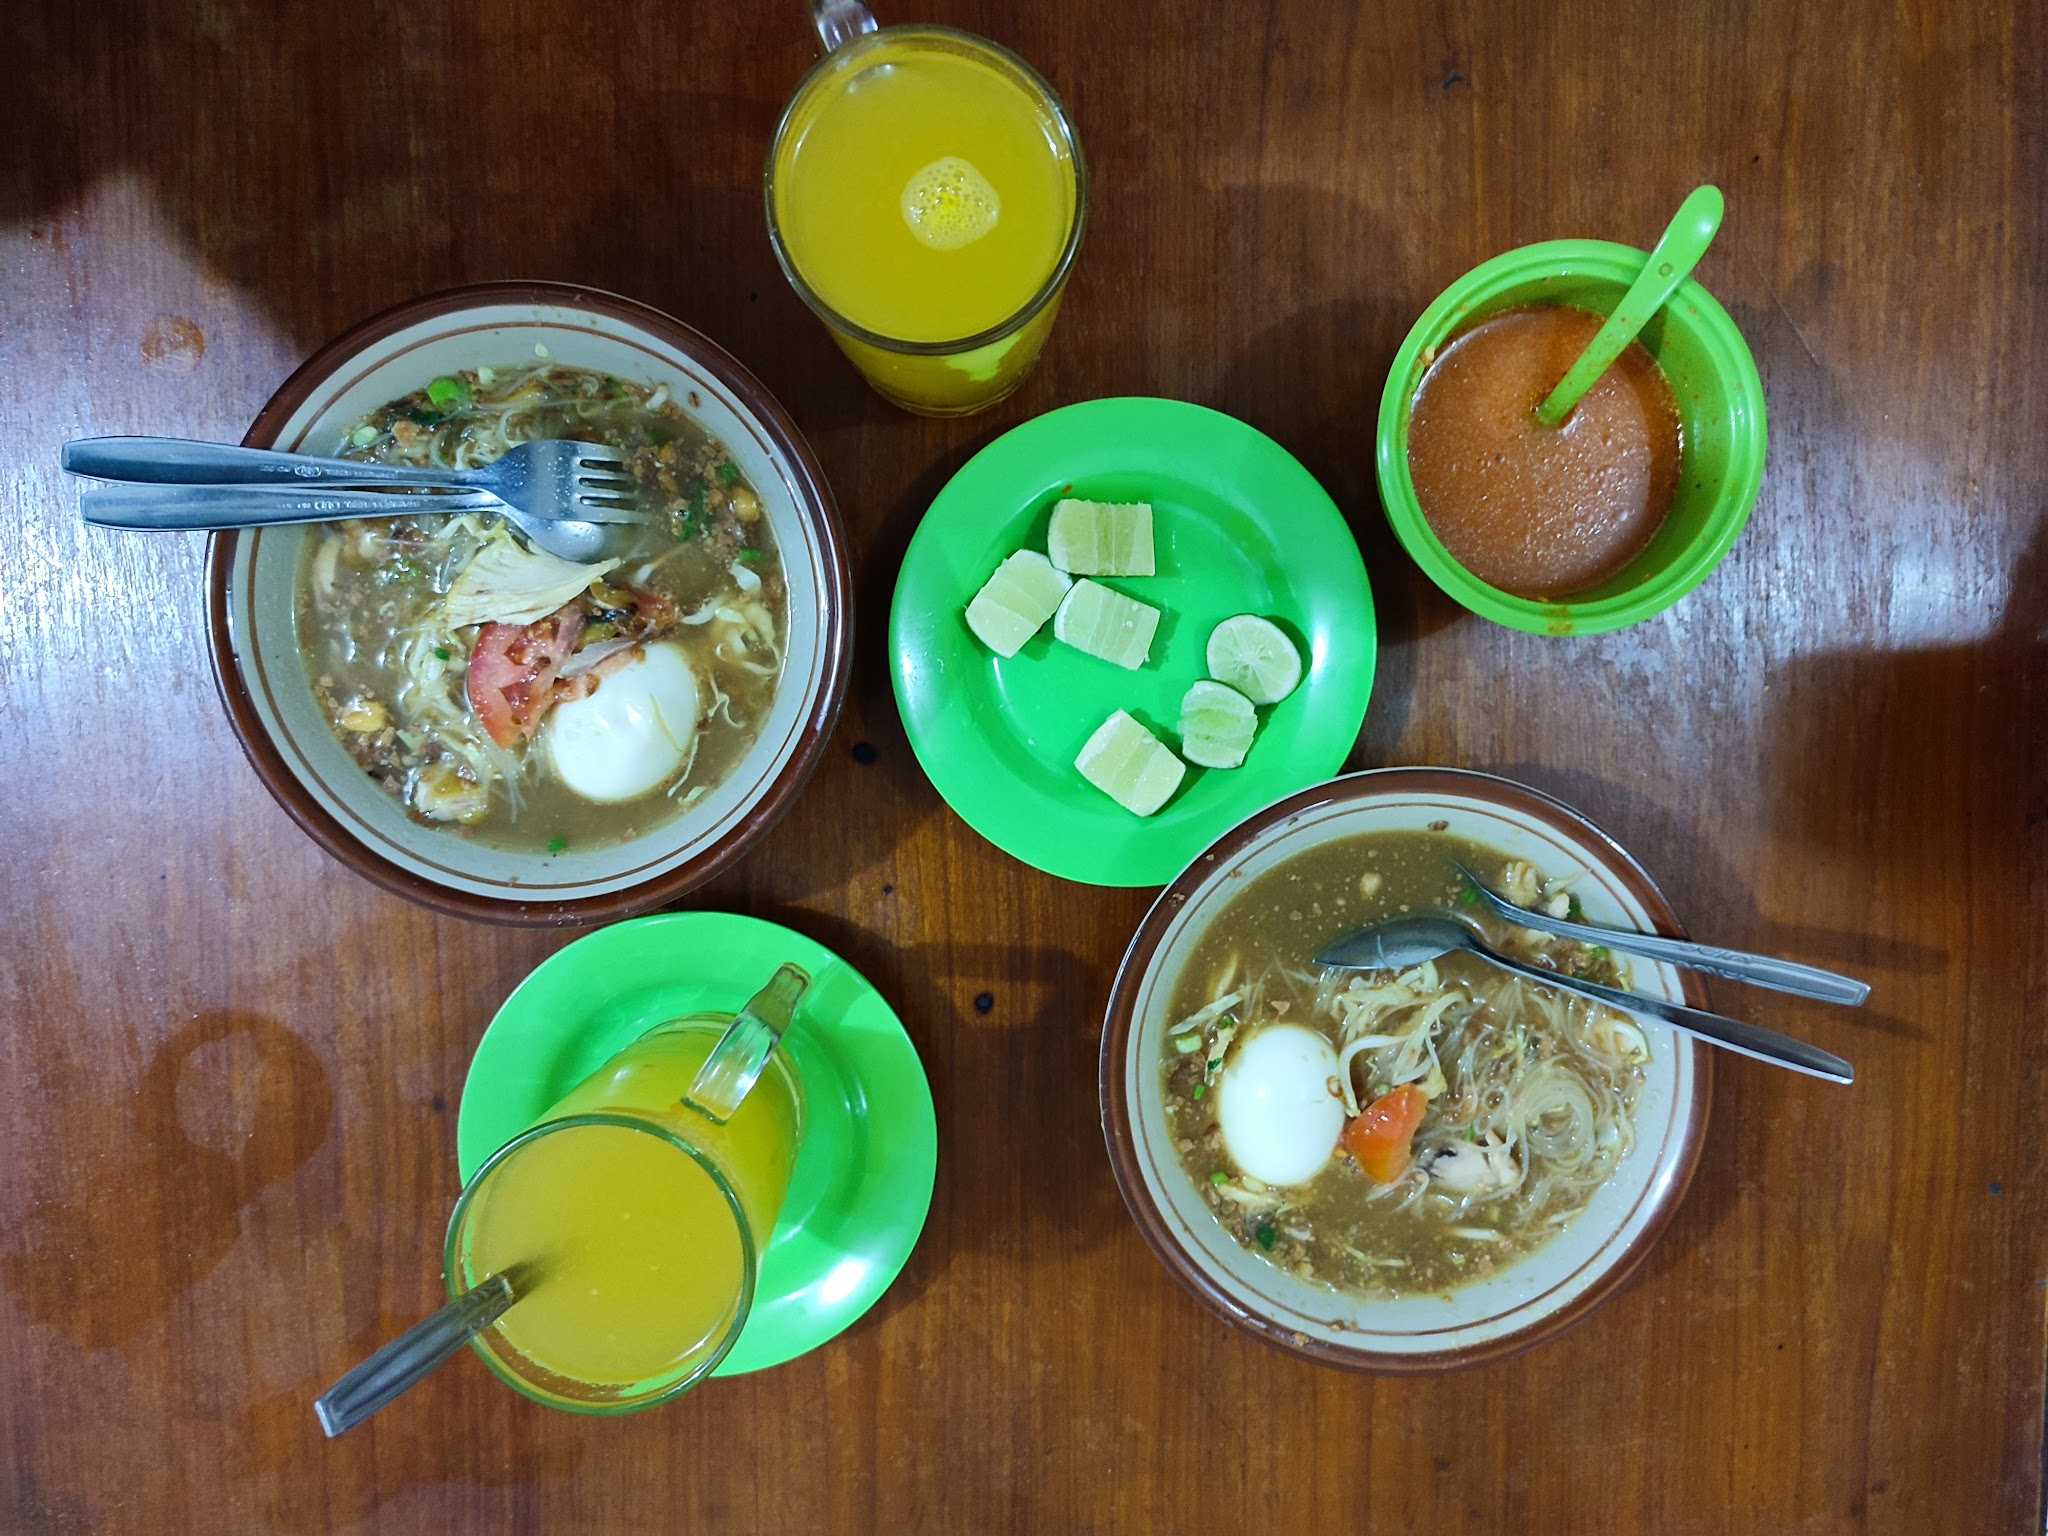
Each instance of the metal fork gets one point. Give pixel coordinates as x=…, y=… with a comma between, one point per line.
x=565, y=497
x=1733, y=964
x=542, y=479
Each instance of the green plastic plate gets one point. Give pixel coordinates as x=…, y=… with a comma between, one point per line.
x=864, y=1171
x=1239, y=527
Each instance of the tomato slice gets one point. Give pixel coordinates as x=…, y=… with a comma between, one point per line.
x=512, y=671
x=1378, y=1136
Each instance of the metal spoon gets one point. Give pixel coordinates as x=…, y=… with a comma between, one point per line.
x=1406, y=941
x=403, y=1363
x=1733, y=964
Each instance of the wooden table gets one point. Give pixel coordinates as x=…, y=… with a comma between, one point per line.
x=232, y=1066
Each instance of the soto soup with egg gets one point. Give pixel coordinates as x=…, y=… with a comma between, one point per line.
x=516, y=697
x=1394, y=1133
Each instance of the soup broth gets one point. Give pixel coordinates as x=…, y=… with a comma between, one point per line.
x=520, y=699
x=1526, y=1095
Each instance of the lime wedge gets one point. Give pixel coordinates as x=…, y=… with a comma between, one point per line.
x=1016, y=601
x=1101, y=538
x=1107, y=624
x=1254, y=657
x=1216, y=725
x=1130, y=765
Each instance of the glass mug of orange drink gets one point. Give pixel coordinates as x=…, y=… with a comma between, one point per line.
x=926, y=197
x=629, y=1220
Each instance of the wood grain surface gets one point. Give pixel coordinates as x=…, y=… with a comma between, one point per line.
x=231, y=1067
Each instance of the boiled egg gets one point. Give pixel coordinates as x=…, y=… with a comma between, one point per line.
x=632, y=733
x=1279, y=1119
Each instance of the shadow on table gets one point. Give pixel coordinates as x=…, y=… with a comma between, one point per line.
x=1020, y=1150
x=164, y=1208
x=868, y=792
x=1714, y=901
x=888, y=540
x=1312, y=381
x=395, y=182
x=1886, y=778
x=504, y=1442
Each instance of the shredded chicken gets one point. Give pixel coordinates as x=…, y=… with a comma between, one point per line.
x=1467, y=1168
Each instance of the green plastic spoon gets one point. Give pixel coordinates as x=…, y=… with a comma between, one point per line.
x=1685, y=241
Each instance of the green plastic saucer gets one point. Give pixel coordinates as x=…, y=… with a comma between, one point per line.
x=1239, y=527
x=863, y=1177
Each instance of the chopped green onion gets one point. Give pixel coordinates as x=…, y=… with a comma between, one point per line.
x=1187, y=1044
x=1201, y=1090
x=363, y=436
x=557, y=844
x=1215, y=1062
x=691, y=520
x=447, y=394
x=1573, y=910
x=750, y=554
x=441, y=651
x=1469, y=897
x=1219, y=1177
x=728, y=472
x=1266, y=1236
x=1599, y=952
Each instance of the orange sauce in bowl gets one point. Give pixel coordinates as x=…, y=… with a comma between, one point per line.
x=1542, y=512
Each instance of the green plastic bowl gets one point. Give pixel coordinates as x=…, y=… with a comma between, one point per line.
x=1720, y=402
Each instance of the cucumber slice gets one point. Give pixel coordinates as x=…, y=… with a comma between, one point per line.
x=1015, y=602
x=1107, y=624
x=1255, y=657
x=1216, y=725
x=1101, y=538
x=1130, y=765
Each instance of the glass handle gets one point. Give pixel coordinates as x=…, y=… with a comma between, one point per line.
x=841, y=21
x=736, y=1062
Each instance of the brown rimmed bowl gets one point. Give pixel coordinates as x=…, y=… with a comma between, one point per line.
x=1532, y=1299
x=251, y=577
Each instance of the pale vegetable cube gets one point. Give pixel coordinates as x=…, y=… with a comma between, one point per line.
x=1216, y=725
x=1130, y=765
x=1107, y=624
x=1015, y=602
x=1101, y=538
x=1254, y=656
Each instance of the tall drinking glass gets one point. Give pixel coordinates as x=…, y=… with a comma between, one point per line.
x=633, y=1213
x=926, y=197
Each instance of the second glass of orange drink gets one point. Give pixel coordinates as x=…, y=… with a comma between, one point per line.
x=632, y=1215
x=926, y=197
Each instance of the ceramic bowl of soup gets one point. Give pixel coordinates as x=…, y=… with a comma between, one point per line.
x=1691, y=352
x=1398, y=1171
x=498, y=734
